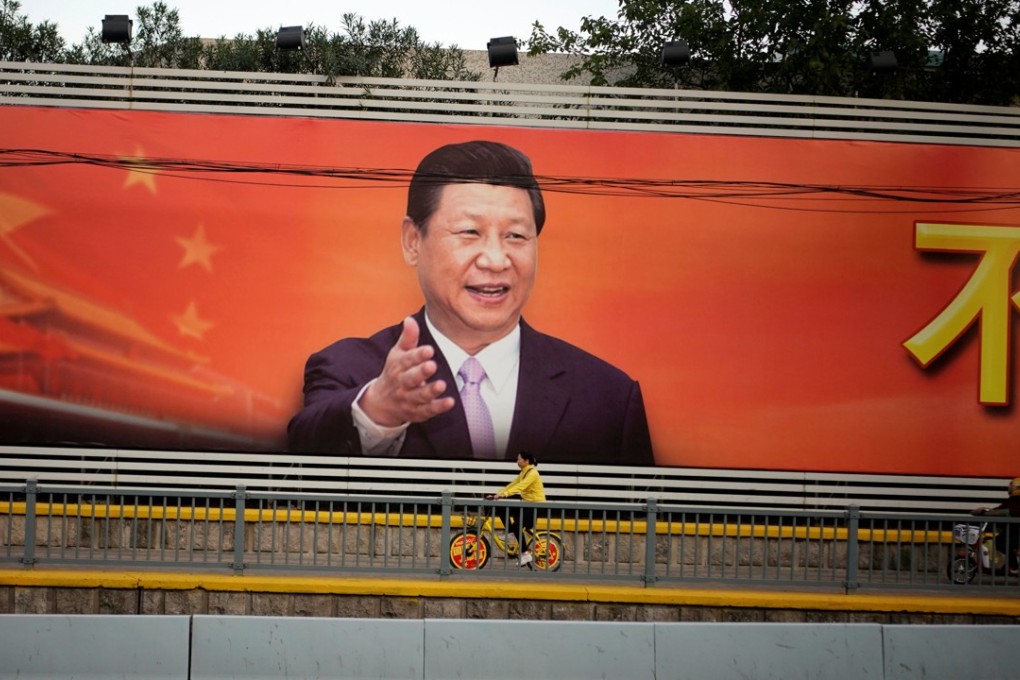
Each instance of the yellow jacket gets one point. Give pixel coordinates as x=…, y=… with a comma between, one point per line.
x=528, y=484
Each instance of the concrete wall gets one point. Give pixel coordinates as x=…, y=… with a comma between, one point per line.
x=220, y=647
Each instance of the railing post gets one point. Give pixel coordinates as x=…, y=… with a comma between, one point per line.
x=445, y=568
x=651, y=515
x=240, y=496
x=853, y=524
x=31, y=496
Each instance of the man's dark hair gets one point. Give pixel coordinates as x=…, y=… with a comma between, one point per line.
x=478, y=162
x=528, y=456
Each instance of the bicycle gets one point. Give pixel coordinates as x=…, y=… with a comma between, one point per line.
x=471, y=547
x=974, y=552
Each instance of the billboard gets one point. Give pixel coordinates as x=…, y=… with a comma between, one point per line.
x=784, y=304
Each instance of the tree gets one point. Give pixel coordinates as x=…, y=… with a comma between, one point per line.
x=375, y=48
x=379, y=48
x=949, y=50
x=157, y=42
x=21, y=41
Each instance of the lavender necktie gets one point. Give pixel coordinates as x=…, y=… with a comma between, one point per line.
x=483, y=437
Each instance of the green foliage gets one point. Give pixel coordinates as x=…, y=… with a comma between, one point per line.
x=819, y=48
x=378, y=49
x=21, y=41
x=156, y=42
x=375, y=48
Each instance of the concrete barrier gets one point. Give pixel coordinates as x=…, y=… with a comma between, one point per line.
x=61, y=646
x=36, y=647
x=253, y=647
x=539, y=649
x=695, y=651
x=952, y=652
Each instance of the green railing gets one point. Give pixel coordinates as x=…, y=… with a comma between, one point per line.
x=450, y=537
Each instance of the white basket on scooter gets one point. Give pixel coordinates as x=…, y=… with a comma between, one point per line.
x=969, y=534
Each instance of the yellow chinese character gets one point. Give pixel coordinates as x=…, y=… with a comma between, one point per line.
x=985, y=297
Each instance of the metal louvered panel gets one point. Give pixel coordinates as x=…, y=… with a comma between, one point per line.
x=749, y=489
x=559, y=106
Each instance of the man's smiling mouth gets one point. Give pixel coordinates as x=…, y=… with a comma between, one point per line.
x=488, y=291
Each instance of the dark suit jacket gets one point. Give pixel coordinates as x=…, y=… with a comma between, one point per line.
x=571, y=407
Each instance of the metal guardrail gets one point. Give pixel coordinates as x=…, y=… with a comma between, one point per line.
x=482, y=103
x=648, y=542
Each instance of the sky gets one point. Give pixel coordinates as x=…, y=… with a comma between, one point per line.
x=469, y=24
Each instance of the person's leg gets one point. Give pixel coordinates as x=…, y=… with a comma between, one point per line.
x=527, y=529
x=1012, y=545
x=1006, y=537
x=511, y=525
x=527, y=520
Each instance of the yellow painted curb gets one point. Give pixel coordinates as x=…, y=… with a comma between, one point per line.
x=1007, y=604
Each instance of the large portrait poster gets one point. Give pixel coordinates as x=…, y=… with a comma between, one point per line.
x=785, y=304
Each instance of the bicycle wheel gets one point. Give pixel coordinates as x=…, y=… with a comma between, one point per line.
x=469, y=551
x=961, y=570
x=547, y=551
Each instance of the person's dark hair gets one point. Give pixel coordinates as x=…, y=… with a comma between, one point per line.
x=528, y=456
x=479, y=161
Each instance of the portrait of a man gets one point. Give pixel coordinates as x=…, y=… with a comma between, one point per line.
x=466, y=377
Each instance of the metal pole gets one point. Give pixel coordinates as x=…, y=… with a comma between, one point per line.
x=651, y=516
x=445, y=568
x=31, y=495
x=240, y=495
x=853, y=515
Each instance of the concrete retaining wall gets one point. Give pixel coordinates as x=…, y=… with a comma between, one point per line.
x=221, y=647
x=434, y=601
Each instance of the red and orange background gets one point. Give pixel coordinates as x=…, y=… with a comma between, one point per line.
x=766, y=331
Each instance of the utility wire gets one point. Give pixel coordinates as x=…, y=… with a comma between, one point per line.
x=751, y=193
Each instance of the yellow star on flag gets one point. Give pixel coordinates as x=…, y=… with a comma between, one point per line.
x=197, y=250
x=190, y=324
x=144, y=177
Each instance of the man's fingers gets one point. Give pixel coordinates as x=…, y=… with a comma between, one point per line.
x=431, y=409
x=409, y=334
x=402, y=361
x=417, y=375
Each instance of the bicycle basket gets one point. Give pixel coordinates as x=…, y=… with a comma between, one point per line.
x=472, y=520
x=967, y=533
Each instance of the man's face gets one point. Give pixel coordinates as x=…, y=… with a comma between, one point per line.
x=476, y=262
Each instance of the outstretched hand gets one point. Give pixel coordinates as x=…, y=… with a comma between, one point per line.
x=402, y=394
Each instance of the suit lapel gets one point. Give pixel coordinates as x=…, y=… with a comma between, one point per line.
x=540, y=400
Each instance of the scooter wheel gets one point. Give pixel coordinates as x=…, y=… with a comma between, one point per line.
x=961, y=570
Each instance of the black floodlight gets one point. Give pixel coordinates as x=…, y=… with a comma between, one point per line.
x=676, y=53
x=502, y=51
x=883, y=61
x=117, y=29
x=290, y=38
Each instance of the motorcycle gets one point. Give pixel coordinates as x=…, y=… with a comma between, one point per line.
x=974, y=552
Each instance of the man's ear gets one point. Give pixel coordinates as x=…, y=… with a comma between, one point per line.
x=410, y=240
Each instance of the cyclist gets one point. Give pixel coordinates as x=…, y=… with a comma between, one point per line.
x=527, y=485
x=1007, y=541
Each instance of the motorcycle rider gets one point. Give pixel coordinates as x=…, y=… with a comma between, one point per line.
x=1007, y=540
